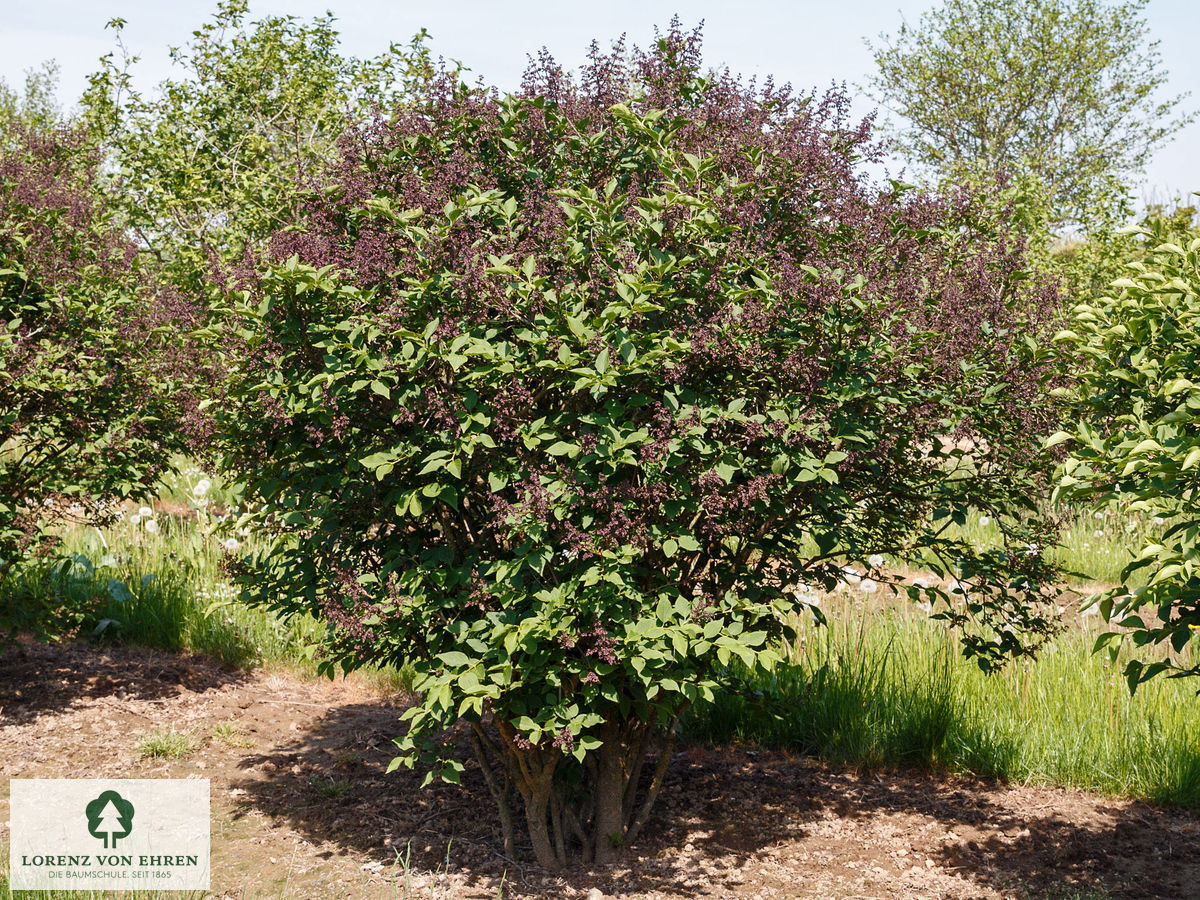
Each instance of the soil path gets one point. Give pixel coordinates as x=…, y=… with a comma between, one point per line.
x=302, y=807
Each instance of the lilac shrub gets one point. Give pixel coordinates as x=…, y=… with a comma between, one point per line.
x=562, y=397
x=90, y=361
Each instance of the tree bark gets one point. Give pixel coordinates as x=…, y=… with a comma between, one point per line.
x=598, y=820
x=499, y=793
x=537, y=803
x=533, y=772
x=609, y=796
x=660, y=772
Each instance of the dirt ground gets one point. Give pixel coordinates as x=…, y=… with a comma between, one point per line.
x=302, y=807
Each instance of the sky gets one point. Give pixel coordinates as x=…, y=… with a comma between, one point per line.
x=810, y=44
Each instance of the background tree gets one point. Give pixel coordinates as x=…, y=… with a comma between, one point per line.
x=1063, y=95
x=35, y=108
x=561, y=398
x=213, y=161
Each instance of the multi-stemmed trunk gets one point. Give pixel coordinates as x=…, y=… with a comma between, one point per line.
x=583, y=811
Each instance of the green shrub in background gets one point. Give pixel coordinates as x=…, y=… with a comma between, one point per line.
x=1137, y=440
x=91, y=380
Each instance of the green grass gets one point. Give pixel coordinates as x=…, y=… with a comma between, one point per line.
x=230, y=733
x=163, y=590
x=890, y=688
x=331, y=786
x=166, y=589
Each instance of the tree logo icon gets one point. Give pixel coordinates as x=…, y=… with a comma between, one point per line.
x=110, y=816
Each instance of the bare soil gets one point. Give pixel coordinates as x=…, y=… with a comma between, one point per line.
x=302, y=806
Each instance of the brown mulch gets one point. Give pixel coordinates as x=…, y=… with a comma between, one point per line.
x=302, y=806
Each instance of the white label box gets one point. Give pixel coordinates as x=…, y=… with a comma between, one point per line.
x=109, y=833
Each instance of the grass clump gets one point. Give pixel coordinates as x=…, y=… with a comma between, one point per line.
x=331, y=786
x=230, y=733
x=165, y=744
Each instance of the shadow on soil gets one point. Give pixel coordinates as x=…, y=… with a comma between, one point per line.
x=49, y=679
x=735, y=809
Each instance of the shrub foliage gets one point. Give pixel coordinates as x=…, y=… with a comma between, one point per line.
x=559, y=397
x=1137, y=442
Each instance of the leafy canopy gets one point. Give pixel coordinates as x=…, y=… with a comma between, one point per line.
x=34, y=108
x=213, y=162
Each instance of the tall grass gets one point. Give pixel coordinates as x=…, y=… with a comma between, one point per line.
x=167, y=589
x=1095, y=544
x=889, y=688
x=160, y=589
